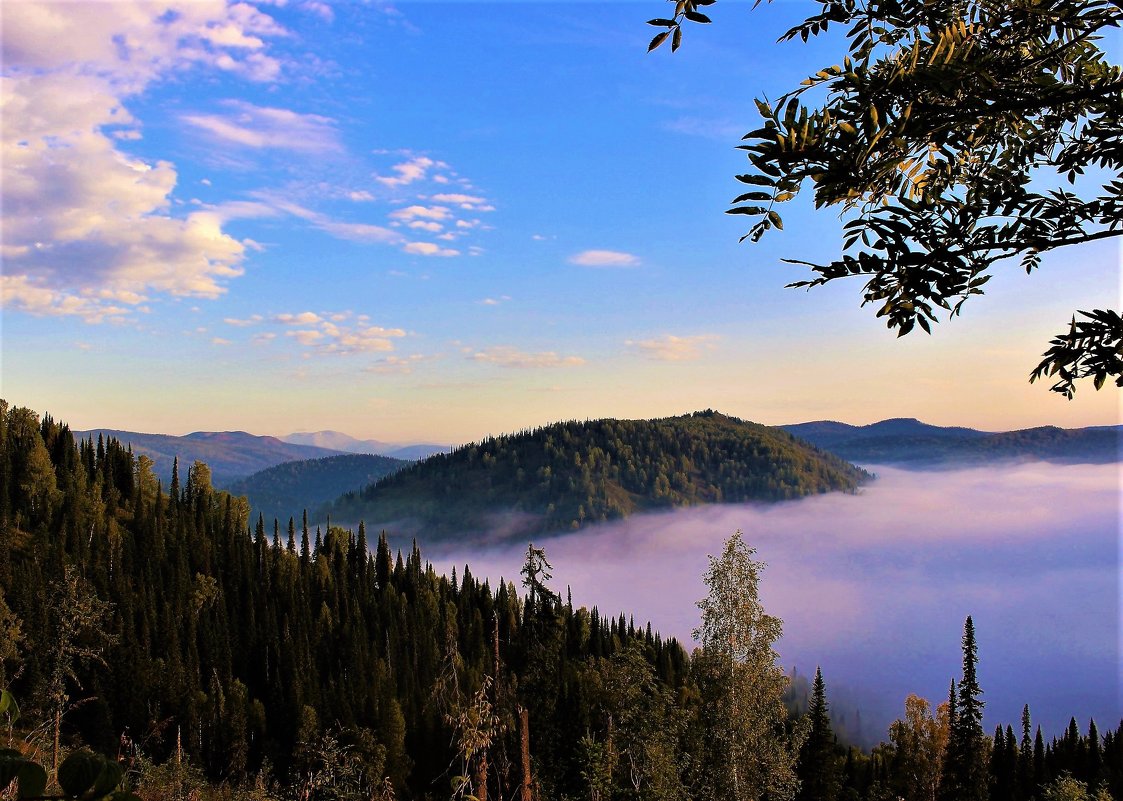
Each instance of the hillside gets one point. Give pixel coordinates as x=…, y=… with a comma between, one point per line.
x=229, y=454
x=567, y=475
x=912, y=443
x=287, y=489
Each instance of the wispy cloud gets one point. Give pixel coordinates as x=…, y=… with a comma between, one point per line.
x=604, y=258
x=671, y=348
x=253, y=319
x=255, y=126
x=508, y=356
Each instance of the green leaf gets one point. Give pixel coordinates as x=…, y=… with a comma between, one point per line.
x=8, y=706
x=79, y=772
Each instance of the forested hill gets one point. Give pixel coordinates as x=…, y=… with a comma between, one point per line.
x=909, y=442
x=566, y=475
x=287, y=489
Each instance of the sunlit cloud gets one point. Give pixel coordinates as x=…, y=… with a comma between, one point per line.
x=429, y=249
x=339, y=332
x=671, y=348
x=604, y=258
x=508, y=356
x=303, y=318
x=89, y=230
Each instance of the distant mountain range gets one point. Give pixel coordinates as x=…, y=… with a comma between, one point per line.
x=909, y=442
x=338, y=441
x=283, y=476
x=568, y=475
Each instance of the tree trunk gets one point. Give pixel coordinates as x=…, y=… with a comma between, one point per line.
x=524, y=753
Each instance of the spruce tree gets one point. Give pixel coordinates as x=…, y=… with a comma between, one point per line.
x=965, y=769
x=818, y=768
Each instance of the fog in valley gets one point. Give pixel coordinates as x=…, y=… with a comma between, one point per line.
x=875, y=587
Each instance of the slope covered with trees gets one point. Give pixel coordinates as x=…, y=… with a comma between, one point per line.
x=567, y=475
x=287, y=489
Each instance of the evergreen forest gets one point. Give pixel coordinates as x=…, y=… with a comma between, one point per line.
x=212, y=655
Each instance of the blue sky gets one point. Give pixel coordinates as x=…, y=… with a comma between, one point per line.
x=438, y=221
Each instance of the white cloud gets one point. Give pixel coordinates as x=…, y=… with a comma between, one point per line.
x=424, y=212
x=411, y=171
x=421, y=225
x=429, y=249
x=671, y=348
x=360, y=195
x=508, y=356
x=303, y=318
x=495, y=301
x=604, y=258
x=258, y=127
x=220, y=341
x=89, y=230
x=326, y=332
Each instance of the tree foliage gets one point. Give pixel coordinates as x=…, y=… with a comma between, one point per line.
x=751, y=752
x=951, y=135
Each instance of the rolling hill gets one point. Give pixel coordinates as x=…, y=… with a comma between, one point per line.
x=287, y=489
x=567, y=475
x=909, y=442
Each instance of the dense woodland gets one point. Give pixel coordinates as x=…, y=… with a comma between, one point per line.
x=220, y=657
x=567, y=475
x=288, y=488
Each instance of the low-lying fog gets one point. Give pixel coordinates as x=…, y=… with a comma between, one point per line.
x=875, y=587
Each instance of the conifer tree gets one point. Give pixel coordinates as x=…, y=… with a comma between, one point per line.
x=818, y=764
x=965, y=770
